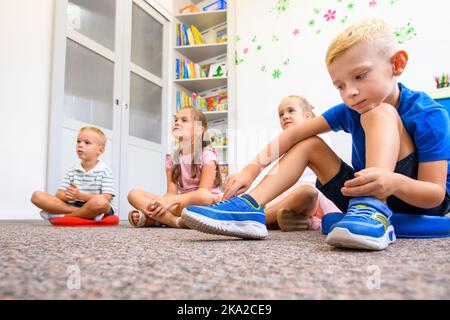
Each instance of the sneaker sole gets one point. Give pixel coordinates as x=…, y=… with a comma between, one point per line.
x=289, y=220
x=226, y=228
x=342, y=238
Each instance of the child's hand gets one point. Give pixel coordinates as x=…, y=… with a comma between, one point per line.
x=72, y=192
x=159, y=206
x=375, y=182
x=236, y=184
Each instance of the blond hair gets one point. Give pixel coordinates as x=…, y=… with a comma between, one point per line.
x=303, y=103
x=374, y=31
x=100, y=133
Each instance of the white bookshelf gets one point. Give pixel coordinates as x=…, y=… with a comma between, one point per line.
x=202, y=84
x=203, y=54
x=203, y=20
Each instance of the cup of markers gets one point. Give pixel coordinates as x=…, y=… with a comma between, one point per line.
x=442, y=81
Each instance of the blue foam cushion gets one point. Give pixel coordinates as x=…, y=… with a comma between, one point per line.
x=405, y=225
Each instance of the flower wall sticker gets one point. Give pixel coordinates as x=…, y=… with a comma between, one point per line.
x=282, y=6
x=404, y=34
x=330, y=15
x=276, y=74
x=317, y=21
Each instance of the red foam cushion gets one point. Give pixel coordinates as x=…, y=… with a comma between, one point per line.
x=82, y=222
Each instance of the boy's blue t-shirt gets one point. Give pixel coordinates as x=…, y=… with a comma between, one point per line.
x=426, y=121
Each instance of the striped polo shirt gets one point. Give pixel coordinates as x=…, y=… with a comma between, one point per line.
x=99, y=180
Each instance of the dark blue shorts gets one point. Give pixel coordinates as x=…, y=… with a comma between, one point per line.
x=79, y=204
x=408, y=166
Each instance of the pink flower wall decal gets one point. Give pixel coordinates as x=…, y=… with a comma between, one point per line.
x=330, y=15
x=372, y=3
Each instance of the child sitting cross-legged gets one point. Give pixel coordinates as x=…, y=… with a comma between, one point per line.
x=87, y=188
x=192, y=171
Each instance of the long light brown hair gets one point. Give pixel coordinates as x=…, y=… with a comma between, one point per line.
x=198, y=116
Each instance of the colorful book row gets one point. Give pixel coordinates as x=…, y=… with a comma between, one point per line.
x=188, y=36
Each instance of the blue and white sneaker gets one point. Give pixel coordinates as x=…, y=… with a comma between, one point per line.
x=239, y=217
x=366, y=225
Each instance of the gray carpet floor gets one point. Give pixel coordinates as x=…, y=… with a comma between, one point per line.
x=39, y=261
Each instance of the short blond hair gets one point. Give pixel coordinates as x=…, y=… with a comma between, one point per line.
x=100, y=133
x=369, y=30
x=303, y=103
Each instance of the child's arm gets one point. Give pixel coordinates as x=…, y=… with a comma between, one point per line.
x=428, y=191
x=73, y=193
x=61, y=195
x=239, y=183
x=172, y=188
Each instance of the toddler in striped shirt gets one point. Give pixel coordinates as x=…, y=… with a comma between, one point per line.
x=87, y=188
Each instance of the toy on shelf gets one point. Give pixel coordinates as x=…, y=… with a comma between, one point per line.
x=217, y=70
x=223, y=168
x=442, y=81
x=217, y=102
x=217, y=132
x=216, y=5
x=189, y=9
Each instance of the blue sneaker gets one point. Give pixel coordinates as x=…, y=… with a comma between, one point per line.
x=237, y=217
x=366, y=225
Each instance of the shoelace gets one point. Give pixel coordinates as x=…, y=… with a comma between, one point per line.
x=220, y=203
x=358, y=212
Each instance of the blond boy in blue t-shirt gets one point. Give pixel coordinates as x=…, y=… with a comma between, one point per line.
x=400, y=152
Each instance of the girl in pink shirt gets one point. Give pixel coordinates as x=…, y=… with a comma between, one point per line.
x=192, y=171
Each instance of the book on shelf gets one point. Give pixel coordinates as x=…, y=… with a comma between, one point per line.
x=188, y=35
x=195, y=100
x=186, y=69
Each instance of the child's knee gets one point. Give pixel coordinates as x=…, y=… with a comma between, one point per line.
x=308, y=193
x=99, y=204
x=36, y=197
x=382, y=113
x=133, y=193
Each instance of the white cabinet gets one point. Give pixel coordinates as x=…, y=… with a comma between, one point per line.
x=192, y=72
x=110, y=71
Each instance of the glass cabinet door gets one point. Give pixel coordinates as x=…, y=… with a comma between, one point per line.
x=146, y=76
x=90, y=62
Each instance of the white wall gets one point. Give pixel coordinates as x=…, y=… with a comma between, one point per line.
x=258, y=21
x=26, y=37
x=25, y=64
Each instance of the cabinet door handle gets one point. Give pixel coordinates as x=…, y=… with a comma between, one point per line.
x=117, y=102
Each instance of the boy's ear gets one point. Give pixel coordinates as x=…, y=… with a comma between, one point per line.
x=399, y=61
x=308, y=115
x=101, y=149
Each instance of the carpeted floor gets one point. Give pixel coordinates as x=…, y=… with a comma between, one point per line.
x=39, y=261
